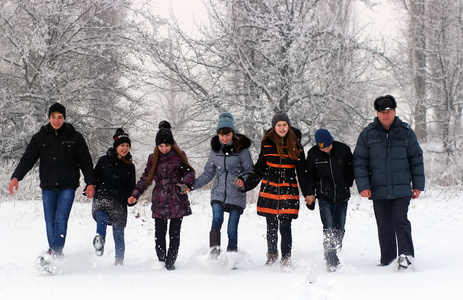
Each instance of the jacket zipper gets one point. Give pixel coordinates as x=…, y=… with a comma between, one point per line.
x=332, y=177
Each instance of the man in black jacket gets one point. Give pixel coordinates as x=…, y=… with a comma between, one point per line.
x=62, y=152
x=330, y=176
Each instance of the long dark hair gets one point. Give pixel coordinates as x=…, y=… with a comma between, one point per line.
x=293, y=146
x=156, y=152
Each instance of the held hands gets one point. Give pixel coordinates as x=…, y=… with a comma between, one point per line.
x=366, y=193
x=13, y=185
x=238, y=183
x=309, y=199
x=184, y=189
x=90, y=191
x=132, y=200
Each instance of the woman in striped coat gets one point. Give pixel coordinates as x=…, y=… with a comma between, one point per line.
x=281, y=164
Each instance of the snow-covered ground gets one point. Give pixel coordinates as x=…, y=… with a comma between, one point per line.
x=437, y=225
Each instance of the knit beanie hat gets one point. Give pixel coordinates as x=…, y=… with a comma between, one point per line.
x=164, y=135
x=225, y=121
x=280, y=116
x=120, y=137
x=58, y=108
x=323, y=138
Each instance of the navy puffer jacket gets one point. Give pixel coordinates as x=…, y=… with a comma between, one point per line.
x=389, y=163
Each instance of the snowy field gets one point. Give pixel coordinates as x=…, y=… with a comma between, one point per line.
x=437, y=231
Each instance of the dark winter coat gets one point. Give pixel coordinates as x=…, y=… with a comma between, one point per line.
x=330, y=175
x=62, y=153
x=387, y=162
x=226, y=165
x=115, y=180
x=167, y=201
x=279, y=192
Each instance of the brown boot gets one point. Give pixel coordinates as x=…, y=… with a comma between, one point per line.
x=271, y=259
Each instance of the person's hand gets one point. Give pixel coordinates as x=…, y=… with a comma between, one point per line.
x=238, y=182
x=416, y=193
x=132, y=200
x=90, y=191
x=309, y=199
x=13, y=185
x=366, y=193
x=184, y=189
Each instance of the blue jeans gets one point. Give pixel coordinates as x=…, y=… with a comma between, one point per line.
x=102, y=221
x=333, y=215
x=57, y=208
x=233, y=220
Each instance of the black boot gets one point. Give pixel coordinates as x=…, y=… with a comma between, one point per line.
x=214, y=243
x=171, y=258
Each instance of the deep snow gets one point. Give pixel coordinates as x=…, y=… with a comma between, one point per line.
x=437, y=231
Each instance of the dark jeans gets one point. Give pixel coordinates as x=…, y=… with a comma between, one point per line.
x=394, y=228
x=272, y=235
x=57, y=207
x=102, y=221
x=233, y=220
x=160, y=232
x=333, y=216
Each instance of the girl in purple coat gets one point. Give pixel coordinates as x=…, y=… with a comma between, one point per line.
x=169, y=168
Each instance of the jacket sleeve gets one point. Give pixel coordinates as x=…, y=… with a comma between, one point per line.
x=415, y=158
x=360, y=163
x=311, y=174
x=188, y=175
x=142, y=185
x=248, y=165
x=29, y=158
x=258, y=173
x=84, y=159
x=302, y=173
x=349, y=176
x=208, y=173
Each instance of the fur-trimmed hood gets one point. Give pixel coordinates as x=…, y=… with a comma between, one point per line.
x=217, y=146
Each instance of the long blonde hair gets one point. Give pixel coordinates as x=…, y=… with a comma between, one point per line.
x=293, y=145
x=156, y=151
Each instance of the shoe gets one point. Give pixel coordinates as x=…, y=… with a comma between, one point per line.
x=404, y=261
x=271, y=259
x=119, y=262
x=98, y=243
x=285, y=262
x=170, y=266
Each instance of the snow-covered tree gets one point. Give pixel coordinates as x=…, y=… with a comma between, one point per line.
x=72, y=52
x=256, y=57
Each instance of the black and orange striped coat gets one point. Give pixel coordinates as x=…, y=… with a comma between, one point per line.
x=279, y=192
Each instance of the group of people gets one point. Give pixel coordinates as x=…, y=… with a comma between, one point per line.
x=387, y=166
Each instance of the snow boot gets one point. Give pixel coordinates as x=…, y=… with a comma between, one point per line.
x=285, y=262
x=119, y=262
x=171, y=258
x=271, y=259
x=214, y=243
x=98, y=243
x=404, y=261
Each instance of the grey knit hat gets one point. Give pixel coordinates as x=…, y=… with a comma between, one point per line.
x=280, y=116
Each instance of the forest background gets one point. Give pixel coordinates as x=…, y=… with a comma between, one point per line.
x=119, y=63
